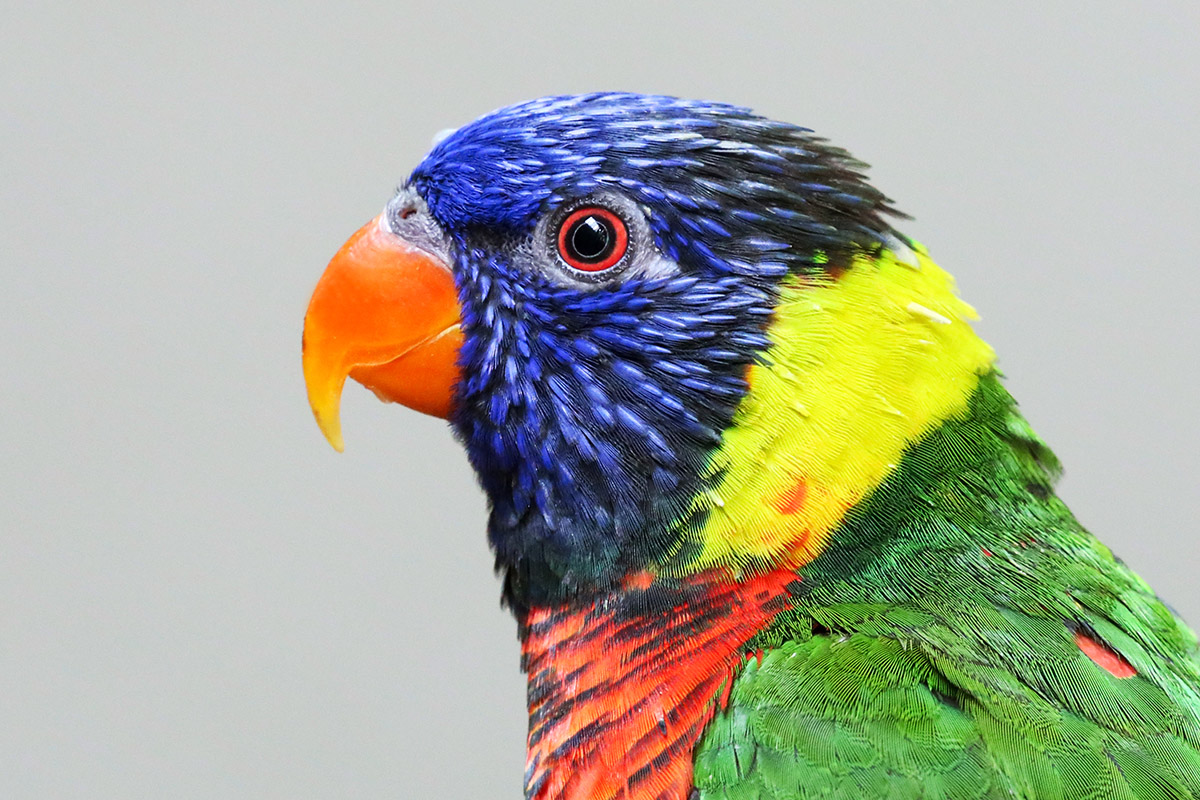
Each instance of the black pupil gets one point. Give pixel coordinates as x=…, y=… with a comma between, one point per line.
x=591, y=239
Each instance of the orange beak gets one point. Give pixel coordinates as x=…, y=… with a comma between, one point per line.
x=386, y=314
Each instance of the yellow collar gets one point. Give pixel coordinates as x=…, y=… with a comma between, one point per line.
x=860, y=366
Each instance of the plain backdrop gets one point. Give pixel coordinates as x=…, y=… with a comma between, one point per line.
x=200, y=599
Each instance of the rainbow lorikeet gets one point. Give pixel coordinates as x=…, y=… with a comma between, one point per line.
x=770, y=525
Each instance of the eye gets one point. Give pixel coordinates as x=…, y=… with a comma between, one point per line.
x=592, y=239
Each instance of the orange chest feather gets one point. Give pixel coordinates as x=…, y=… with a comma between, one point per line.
x=620, y=691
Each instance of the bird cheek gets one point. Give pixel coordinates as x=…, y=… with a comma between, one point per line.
x=386, y=314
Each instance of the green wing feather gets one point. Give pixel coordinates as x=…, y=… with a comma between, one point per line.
x=932, y=649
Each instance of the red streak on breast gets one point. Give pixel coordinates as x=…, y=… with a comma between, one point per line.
x=1104, y=656
x=620, y=690
x=793, y=499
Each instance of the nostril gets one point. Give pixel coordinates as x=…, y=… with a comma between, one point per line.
x=407, y=212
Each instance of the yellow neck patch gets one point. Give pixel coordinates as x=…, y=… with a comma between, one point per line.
x=860, y=366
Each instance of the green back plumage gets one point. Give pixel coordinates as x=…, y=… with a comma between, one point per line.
x=932, y=649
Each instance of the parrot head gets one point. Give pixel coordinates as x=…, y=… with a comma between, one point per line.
x=587, y=287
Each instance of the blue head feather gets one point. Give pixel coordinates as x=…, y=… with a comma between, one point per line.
x=589, y=412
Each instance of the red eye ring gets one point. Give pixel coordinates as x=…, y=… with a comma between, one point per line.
x=592, y=239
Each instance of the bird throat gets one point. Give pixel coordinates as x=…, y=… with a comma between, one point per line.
x=622, y=687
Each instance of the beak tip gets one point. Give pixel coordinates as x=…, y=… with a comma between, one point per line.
x=331, y=428
x=324, y=398
x=335, y=441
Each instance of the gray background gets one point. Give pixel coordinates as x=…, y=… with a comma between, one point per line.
x=199, y=598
